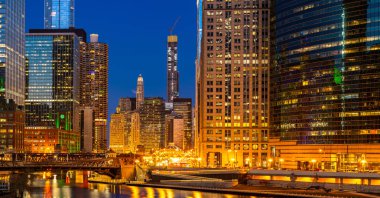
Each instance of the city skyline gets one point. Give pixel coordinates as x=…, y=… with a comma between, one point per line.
x=121, y=83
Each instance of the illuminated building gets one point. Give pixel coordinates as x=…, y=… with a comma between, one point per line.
x=140, y=92
x=152, y=123
x=94, y=87
x=118, y=132
x=127, y=104
x=59, y=14
x=233, y=83
x=87, y=129
x=12, y=123
x=46, y=140
x=326, y=83
x=125, y=127
x=52, y=79
x=184, y=108
x=172, y=70
x=12, y=50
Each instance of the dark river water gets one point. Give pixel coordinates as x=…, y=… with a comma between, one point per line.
x=75, y=184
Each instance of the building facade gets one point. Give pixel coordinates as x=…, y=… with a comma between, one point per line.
x=184, y=108
x=12, y=124
x=152, y=123
x=52, y=81
x=118, y=132
x=326, y=82
x=140, y=92
x=87, y=129
x=94, y=87
x=172, y=68
x=59, y=14
x=233, y=83
x=12, y=50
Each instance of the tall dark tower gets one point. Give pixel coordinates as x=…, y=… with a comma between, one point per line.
x=173, y=75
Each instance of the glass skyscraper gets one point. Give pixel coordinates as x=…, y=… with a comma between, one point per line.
x=172, y=68
x=325, y=84
x=59, y=14
x=12, y=50
x=326, y=71
x=52, y=74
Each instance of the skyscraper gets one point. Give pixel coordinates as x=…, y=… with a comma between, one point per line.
x=172, y=68
x=184, y=108
x=94, y=87
x=12, y=50
x=59, y=14
x=52, y=76
x=152, y=127
x=326, y=82
x=233, y=83
x=140, y=92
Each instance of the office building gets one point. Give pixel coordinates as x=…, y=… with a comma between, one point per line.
x=326, y=84
x=127, y=104
x=118, y=132
x=12, y=50
x=94, y=87
x=152, y=123
x=140, y=92
x=172, y=68
x=12, y=118
x=87, y=129
x=59, y=14
x=52, y=82
x=184, y=108
x=233, y=83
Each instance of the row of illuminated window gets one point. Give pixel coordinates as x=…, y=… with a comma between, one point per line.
x=240, y=146
x=221, y=124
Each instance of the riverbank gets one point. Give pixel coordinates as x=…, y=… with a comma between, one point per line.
x=261, y=191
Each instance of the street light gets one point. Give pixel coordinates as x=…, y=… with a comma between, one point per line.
x=236, y=162
x=228, y=156
x=199, y=161
x=363, y=162
x=281, y=161
x=313, y=161
x=270, y=160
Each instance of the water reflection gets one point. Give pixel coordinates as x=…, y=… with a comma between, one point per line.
x=75, y=184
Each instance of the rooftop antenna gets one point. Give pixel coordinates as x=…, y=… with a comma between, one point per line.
x=174, y=25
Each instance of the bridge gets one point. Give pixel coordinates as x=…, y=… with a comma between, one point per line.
x=101, y=163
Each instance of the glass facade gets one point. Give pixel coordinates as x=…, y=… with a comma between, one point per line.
x=172, y=69
x=152, y=119
x=12, y=50
x=325, y=72
x=52, y=76
x=59, y=14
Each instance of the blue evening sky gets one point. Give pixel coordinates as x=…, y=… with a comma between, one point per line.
x=136, y=32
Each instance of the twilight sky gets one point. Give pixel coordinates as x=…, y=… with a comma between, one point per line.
x=136, y=32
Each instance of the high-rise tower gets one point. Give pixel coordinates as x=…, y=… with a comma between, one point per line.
x=94, y=87
x=233, y=83
x=59, y=14
x=12, y=50
x=140, y=92
x=172, y=68
x=325, y=88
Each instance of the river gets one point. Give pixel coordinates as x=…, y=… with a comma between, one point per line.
x=75, y=184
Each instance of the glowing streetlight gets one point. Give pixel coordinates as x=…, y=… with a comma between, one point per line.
x=363, y=162
x=313, y=161
x=281, y=161
x=270, y=160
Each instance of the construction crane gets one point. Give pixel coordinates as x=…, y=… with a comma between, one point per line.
x=174, y=25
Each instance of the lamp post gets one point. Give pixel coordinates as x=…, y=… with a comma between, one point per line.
x=228, y=156
x=270, y=160
x=313, y=161
x=363, y=162
x=236, y=161
x=199, y=162
x=281, y=161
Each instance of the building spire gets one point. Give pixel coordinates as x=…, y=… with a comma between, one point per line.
x=140, y=92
